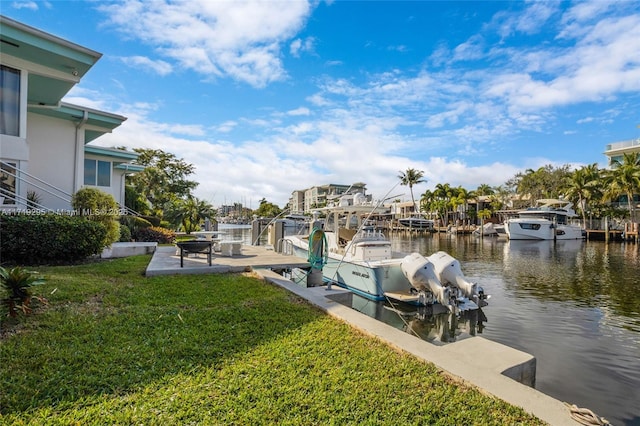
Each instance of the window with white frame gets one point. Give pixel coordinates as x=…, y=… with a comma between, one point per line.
x=8, y=188
x=97, y=172
x=9, y=101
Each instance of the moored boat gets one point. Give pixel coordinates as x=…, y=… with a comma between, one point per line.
x=550, y=220
x=360, y=259
x=417, y=223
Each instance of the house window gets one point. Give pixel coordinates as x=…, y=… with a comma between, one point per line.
x=9, y=101
x=8, y=183
x=97, y=173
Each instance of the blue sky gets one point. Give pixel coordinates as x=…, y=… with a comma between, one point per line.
x=268, y=97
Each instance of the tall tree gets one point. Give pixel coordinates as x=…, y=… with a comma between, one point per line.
x=460, y=197
x=443, y=193
x=163, y=179
x=426, y=201
x=483, y=189
x=546, y=182
x=267, y=209
x=581, y=187
x=188, y=213
x=411, y=177
x=625, y=178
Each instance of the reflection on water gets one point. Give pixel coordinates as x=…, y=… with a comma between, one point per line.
x=435, y=324
x=590, y=275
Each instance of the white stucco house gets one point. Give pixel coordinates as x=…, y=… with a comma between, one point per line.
x=45, y=143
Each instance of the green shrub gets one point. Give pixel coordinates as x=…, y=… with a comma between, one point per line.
x=101, y=207
x=125, y=234
x=153, y=220
x=155, y=234
x=134, y=222
x=44, y=239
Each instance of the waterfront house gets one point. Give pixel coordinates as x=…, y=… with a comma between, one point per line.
x=45, y=150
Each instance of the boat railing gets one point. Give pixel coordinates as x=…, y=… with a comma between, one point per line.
x=369, y=235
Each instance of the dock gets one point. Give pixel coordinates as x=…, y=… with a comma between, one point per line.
x=630, y=233
x=166, y=261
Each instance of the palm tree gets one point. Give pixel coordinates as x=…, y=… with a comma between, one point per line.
x=426, y=201
x=582, y=186
x=625, y=178
x=188, y=213
x=443, y=193
x=481, y=190
x=484, y=189
x=410, y=178
x=461, y=197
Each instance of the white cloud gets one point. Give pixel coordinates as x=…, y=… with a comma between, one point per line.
x=159, y=67
x=25, y=5
x=299, y=46
x=299, y=111
x=227, y=126
x=239, y=39
x=469, y=50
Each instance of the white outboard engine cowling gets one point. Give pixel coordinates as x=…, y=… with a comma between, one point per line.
x=447, y=269
x=420, y=273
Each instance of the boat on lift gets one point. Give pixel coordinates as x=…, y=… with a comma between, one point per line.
x=549, y=220
x=418, y=223
x=360, y=259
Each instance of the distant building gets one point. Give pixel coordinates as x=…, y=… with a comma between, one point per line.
x=615, y=151
x=305, y=200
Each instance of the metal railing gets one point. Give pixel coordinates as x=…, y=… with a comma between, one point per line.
x=623, y=144
x=33, y=182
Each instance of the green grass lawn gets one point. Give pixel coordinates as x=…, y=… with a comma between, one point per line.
x=115, y=347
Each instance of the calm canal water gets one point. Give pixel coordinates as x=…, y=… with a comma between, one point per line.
x=574, y=305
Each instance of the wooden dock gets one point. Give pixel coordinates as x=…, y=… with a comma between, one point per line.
x=630, y=233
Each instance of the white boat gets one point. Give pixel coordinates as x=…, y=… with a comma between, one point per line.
x=550, y=220
x=487, y=230
x=360, y=259
x=417, y=223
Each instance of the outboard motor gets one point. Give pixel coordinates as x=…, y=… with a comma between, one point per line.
x=447, y=269
x=420, y=273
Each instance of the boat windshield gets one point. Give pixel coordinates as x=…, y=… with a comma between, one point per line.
x=557, y=217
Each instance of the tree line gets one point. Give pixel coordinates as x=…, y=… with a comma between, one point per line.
x=595, y=193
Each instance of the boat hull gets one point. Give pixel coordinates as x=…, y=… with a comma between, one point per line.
x=541, y=229
x=368, y=279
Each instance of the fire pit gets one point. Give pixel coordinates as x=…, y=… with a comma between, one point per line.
x=195, y=246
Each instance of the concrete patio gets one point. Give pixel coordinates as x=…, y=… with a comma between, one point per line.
x=166, y=261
